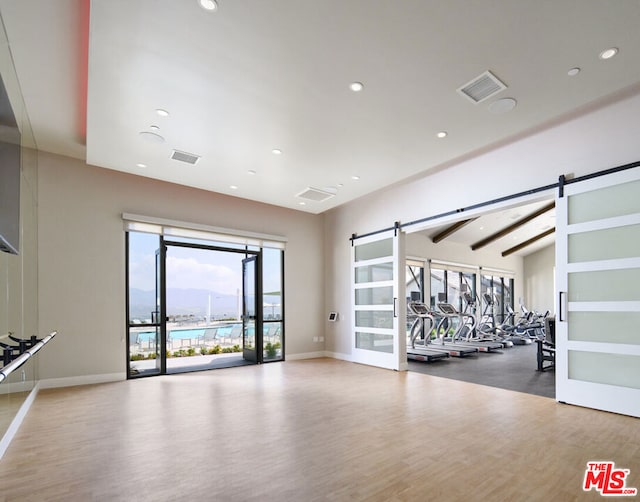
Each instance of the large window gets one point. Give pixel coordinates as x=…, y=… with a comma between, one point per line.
x=438, y=287
x=469, y=291
x=273, y=303
x=456, y=286
x=497, y=297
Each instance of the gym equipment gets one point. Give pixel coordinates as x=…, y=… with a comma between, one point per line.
x=536, y=323
x=423, y=353
x=31, y=346
x=424, y=313
x=454, y=349
x=11, y=352
x=487, y=324
x=547, y=347
x=463, y=335
x=531, y=324
x=476, y=335
x=485, y=330
x=515, y=333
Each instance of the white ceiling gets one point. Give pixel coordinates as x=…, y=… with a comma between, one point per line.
x=264, y=74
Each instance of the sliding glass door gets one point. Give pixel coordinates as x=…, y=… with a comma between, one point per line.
x=379, y=306
x=598, y=272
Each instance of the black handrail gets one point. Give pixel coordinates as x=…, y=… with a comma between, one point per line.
x=9, y=368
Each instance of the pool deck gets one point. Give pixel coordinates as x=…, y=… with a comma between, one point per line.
x=192, y=363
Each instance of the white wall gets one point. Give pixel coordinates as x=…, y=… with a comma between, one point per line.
x=82, y=260
x=539, y=281
x=583, y=144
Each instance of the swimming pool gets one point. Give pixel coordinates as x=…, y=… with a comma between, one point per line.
x=191, y=333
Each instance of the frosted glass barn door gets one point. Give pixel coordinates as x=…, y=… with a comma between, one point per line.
x=598, y=281
x=378, y=312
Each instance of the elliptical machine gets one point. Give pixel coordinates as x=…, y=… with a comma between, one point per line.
x=517, y=333
x=485, y=331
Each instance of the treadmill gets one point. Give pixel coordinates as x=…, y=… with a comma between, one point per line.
x=422, y=352
x=450, y=312
x=422, y=312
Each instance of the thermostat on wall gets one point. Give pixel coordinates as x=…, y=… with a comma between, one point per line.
x=333, y=316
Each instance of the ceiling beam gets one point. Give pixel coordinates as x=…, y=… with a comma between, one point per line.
x=450, y=230
x=513, y=227
x=528, y=242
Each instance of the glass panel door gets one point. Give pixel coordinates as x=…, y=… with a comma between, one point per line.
x=252, y=336
x=378, y=300
x=598, y=271
x=203, y=316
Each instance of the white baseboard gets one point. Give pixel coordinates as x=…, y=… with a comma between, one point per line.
x=53, y=383
x=17, y=420
x=306, y=355
x=340, y=355
x=25, y=386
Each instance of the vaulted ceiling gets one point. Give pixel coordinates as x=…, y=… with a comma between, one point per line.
x=520, y=230
x=260, y=91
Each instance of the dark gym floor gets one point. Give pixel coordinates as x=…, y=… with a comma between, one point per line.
x=513, y=369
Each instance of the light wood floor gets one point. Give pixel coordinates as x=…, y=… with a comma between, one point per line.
x=309, y=430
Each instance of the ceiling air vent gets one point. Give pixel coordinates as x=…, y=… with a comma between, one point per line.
x=189, y=158
x=482, y=87
x=314, y=194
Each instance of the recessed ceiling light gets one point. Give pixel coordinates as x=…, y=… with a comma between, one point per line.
x=340, y=185
x=162, y=113
x=442, y=134
x=141, y=165
x=356, y=86
x=251, y=171
x=481, y=228
x=209, y=5
x=154, y=127
x=573, y=71
x=276, y=151
x=233, y=187
x=302, y=203
x=355, y=178
x=609, y=53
